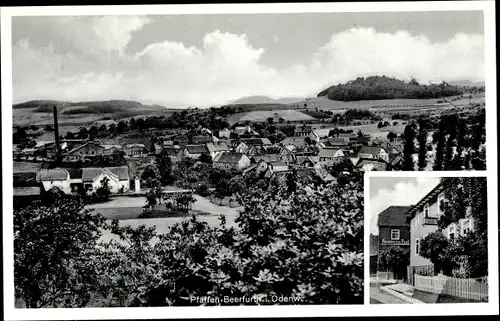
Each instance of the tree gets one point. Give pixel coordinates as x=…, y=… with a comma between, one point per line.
x=164, y=165
x=422, y=143
x=391, y=136
x=103, y=192
x=270, y=120
x=206, y=158
x=433, y=247
x=151, y=200
x=409, y=147
x=55, y=249
x=396, y=259
x=440, y=139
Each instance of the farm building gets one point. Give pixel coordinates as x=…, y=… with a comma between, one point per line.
x=57, y=177
x=85, y=151
x=376, y=152
x=232, y=160
x=371, y=164
x=225, y=133
x=330, y=154
x=193, y=151
x=118, y=178
x=217, y=148
x=303, y=131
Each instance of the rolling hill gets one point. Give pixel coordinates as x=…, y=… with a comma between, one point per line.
x=382, y=87
x=87, y=107
x=266, y=100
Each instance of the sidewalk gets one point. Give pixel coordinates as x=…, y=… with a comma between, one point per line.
x=402, y=291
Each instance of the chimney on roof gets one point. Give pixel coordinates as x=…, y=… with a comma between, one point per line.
x=56, y=132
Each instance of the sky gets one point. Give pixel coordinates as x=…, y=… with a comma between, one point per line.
x=202, y=60
x=391, y=191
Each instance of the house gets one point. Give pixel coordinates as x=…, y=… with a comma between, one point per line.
x=370, y=164
x=245, y=130
x=134, y=149
x=232, y=160
x=118, y=178
x=286, y=156
x=331, y=154
x=393, y=230
x=193, y=151
x=242, y=148
x=376, y=152
x=217, y=148
x=83, y=152
x=269, y=158
x=320, y=133
x=225, y=133
x=339, y=142
x=423, y=219
x=304, y=131
x=298, y=142
x=257, y=142
x=57, y=177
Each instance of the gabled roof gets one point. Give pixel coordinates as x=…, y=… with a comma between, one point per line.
x=217, y=147
x=371, y=150
x=27, y=191
x=229, y=158
x=256, y=141
x=328, y=152
x=433, y=193
x=297, y=141
x=269, y=158
x=121, y=171
x=393, y=216
x=340, y=141
x=201, y=139
x=25, y=179
x=196, y=149
x=373, y=164
x=56, y=174
x=81, y=146
x=89, y=174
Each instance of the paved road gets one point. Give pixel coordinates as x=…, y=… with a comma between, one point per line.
x=379, y=297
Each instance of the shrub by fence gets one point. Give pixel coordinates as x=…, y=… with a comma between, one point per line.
x=471, y=289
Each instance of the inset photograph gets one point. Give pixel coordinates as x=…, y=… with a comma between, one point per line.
x=428, y=240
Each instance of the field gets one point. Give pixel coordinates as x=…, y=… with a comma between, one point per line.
x=127, y=210
x=263, y=115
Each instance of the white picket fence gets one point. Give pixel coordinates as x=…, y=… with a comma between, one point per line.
x=471, y=289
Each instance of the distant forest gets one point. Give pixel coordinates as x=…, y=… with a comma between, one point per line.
x=382, y=87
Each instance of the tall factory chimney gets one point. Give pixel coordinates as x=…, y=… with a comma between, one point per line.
x=56, y=133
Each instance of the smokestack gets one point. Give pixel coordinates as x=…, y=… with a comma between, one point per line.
x=56, y=132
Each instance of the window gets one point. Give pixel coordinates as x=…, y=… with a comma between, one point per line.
x=394, y=234
x=417, y=246
x=440, y=203
x=426, y=210
x=466, y=226
x=451, y=231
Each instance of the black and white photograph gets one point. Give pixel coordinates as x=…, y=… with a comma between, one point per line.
x=218, y=155
x=428, y=240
